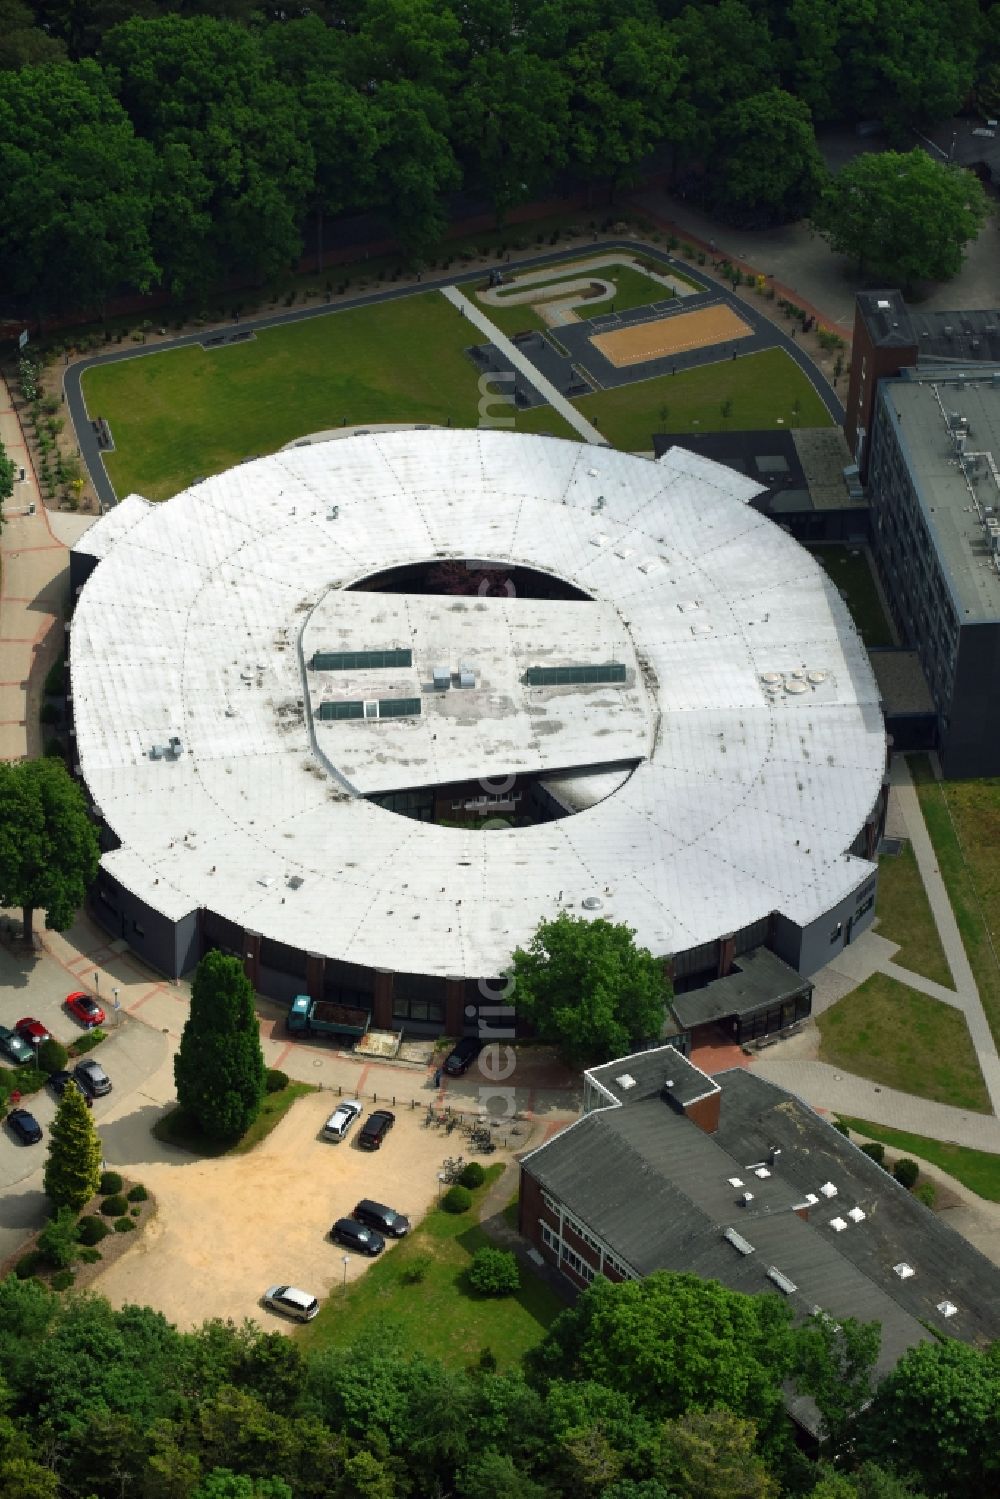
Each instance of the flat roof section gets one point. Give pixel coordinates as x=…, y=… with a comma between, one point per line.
x=759, y=978
x=920, y=406
x=764, y=746
x=498, y=723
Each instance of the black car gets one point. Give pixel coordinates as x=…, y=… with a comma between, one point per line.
x=386, y=1220
x=462, y=1057
x=375, y=1128
x=357, y=1236
x=60, y=1081
x=25, y=1126
x=92, y=1078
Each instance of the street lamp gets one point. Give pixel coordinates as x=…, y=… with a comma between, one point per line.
x=347, y=1261
x=97, y=984
x=117, y=1007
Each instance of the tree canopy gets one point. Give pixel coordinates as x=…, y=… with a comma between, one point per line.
x=48, y=844
x=219, y=1067
x=73, y=1163
x=586, y=986
x=903, y=218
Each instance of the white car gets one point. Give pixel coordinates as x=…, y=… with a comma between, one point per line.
x=293, y=1302
x=341, y=1119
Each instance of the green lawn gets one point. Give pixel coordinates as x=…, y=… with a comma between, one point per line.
x=188, y=412
x=976, y=1169
x=174, y=1129
x=850, y=570
x=904, y=916
x=896, y=1036
x=439, y=1316
x=963, y=819
x=761, y=388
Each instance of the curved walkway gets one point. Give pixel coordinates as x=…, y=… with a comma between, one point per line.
x=87, y=441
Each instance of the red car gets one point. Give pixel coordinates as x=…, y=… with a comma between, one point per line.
x=32, y=1031
x=85, y=1009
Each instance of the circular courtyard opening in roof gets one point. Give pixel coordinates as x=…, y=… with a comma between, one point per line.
x=470, y=577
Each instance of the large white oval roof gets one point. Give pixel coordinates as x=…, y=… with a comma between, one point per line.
x=748, y=701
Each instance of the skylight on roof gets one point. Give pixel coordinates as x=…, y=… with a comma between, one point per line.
x=737, y=1241
x=781, y=1280
x=947, y=1308
x=625, y=1082
x=734, y=1181
x=856, y=1215
x=903, y=1270
x=838, y=1225
x=762, y=1172
x=828, y=1189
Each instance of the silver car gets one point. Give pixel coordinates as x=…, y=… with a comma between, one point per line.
x=292, y=1302
x=341, y=1119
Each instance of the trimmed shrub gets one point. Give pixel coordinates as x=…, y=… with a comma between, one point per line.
x=124, y=1226
x=457, y=1200
x=275, y=1080
x=134, y=1212
x=494, y=1272
x=138, y=1193
x=58, y=1241
x=906, y=1173
x=92, y=1229
x=877, y=1152
x=415, y=1269
x=88, y=1041
x=926, y=1192
x=473, y=1176
x=111, y=1181
x=52, y=1057
x=28, y=1264
x=114, y=1206
x=62, y=1280
x=90, y=1256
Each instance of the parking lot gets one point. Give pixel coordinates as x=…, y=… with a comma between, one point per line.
x=229, y=1228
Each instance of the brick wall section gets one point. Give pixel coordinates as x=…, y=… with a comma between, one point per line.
x=869, y=364
x=705, y=1112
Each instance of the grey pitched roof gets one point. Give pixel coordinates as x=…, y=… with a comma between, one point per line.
x=656, y=1190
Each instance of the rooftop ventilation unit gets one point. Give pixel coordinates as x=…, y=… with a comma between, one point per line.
x=903, y=1270
x=746, y=1199
x=591, y=903
x=442, y=678
x=295, y=881
x=780, y=1280
x=737, y=1241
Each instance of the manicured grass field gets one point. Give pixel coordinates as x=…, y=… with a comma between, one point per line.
x=896, y=1036
x=761, y=387
x=850, y=570
x=439, y=1315
x=904, y=916
x=191, y=412
x=976, y=1169
x=963, y=819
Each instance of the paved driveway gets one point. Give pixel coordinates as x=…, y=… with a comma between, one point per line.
x=229, y=1228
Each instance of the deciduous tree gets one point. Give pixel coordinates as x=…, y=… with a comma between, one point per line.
x=219, y=1066
x=767, y=163
x=586, y=986
x=835, y=1364
x=903, y=218
x=48, y=845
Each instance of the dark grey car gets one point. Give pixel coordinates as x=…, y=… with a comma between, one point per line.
x=92, y=1077
x=354, y=1235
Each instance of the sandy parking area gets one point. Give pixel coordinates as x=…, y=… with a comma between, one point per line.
x=671, y=335
x=229, y=1228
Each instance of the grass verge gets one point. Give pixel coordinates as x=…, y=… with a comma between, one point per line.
x=963, y=819
x=440, y=1315
x=850, y=570
x=904, y=916
x=896, y=1036
x=194, y=412
x=176, y=1129
x=976, y=1169
x=755, y=391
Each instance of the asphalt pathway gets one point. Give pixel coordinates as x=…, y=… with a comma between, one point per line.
x=90, y=450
